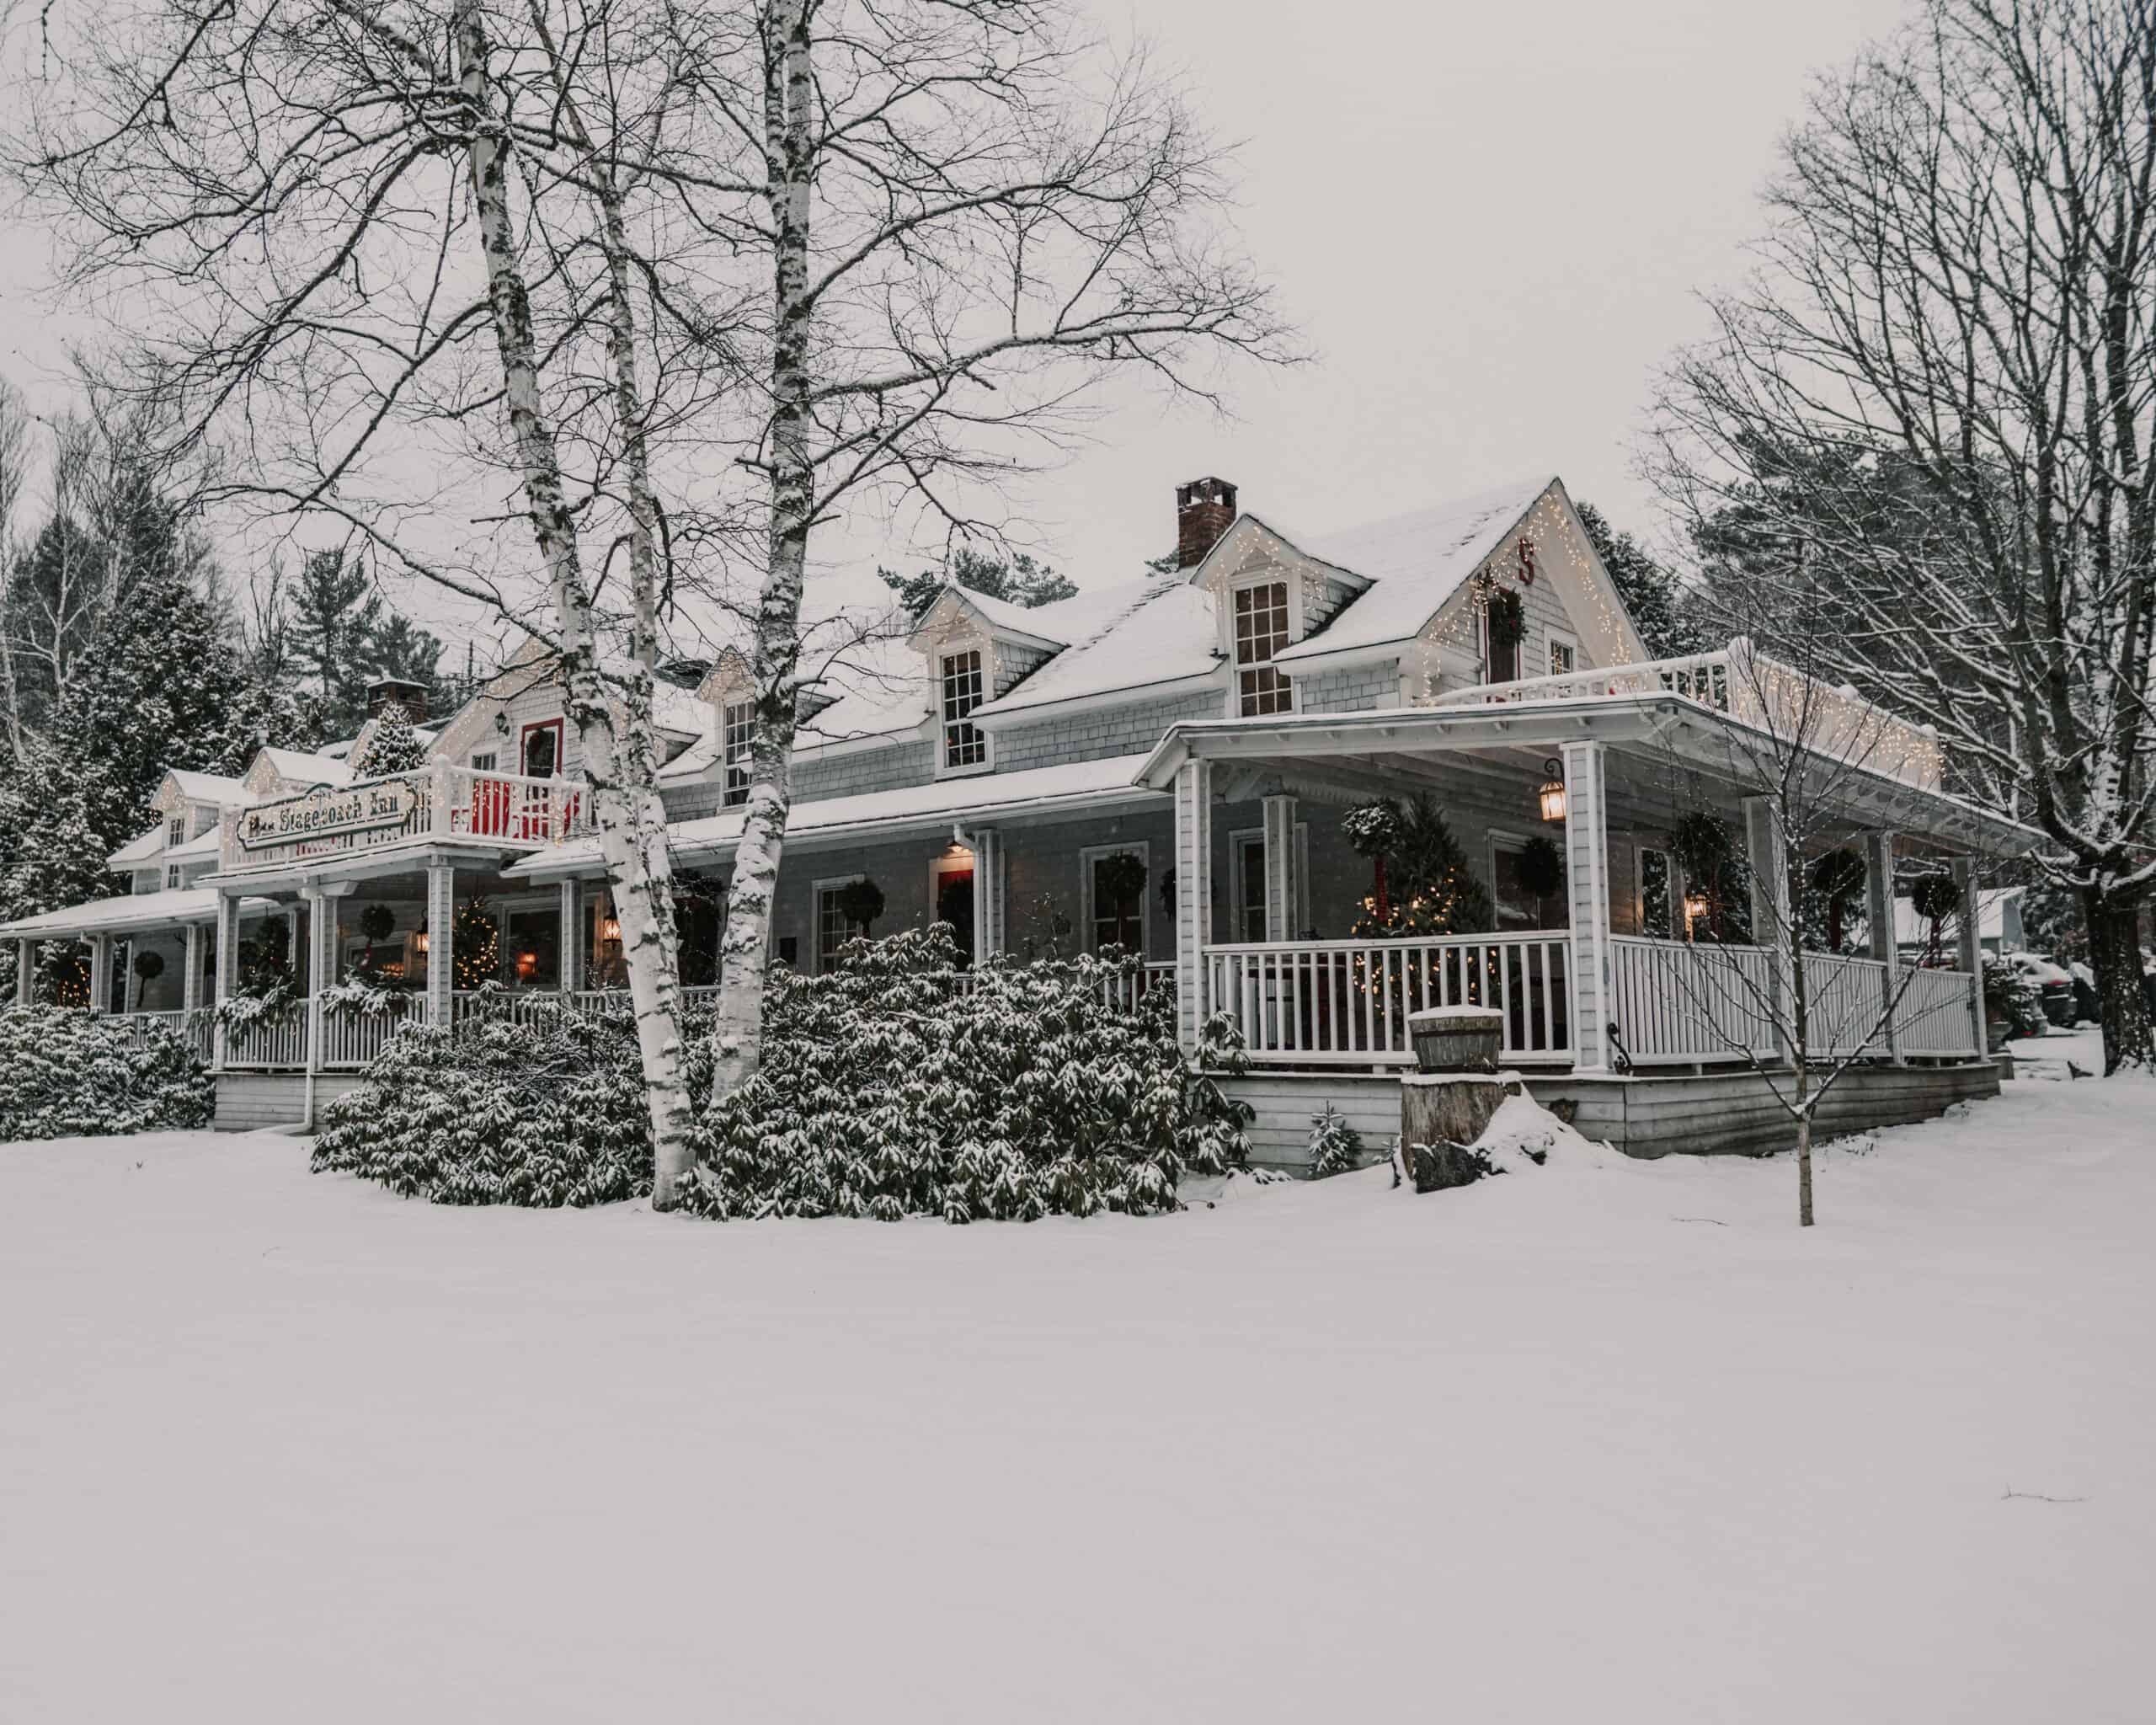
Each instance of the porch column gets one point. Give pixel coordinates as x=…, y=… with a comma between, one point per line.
x=1879, y=913
x=1279, y=866
x=303, y=971
x=226, y=982
x=190, y=981
x=1772, y=929
x=1587, y=875
x=100, y=972
x=989, y=937
x=131, y=986
x=572, y=939
x=25, y=973
x=1193, y=795
x=441, y=942
x=1970, y=952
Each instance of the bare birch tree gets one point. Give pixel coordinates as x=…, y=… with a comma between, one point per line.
x=965, y=214
x=1806, y=751
x=387, y=253
x=1940, y=388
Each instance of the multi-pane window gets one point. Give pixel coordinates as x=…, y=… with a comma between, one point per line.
x=964, y=745
x=834, y=927
x=1564, y=657
x=1261, y=631
x=486, y=762
x=738, y=725
x=175, y=832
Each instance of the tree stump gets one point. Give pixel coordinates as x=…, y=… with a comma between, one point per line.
x=1438, y=1167
x=1450, y=1107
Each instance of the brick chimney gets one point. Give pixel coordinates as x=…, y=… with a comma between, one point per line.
x=395, y=692
x=1205, y=509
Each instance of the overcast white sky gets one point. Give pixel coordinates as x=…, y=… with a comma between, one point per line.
x=1490, y=221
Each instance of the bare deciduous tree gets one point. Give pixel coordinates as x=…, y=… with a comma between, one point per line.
x=1940, y=392
x=964, y=214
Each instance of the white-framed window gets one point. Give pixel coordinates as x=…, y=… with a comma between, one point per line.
x=834, y=928
x=963, y=689
x=175, y=832
x=486, y=760
x=1657, y=897
x=1111, y=918
x=1564, y=654
x=1246, y=881
x=172, y=876
x=737, y=737
x=1261, y=630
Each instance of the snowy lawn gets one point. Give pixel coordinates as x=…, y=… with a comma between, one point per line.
x=1608, y=1441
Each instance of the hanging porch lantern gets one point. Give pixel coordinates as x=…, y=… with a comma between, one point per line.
x=1553, y=791
x=610, y=925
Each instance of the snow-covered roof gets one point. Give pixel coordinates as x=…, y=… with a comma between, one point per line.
x=129, y=912
x=149, y=848
x=1415, y=563
x=1130, y=636
x=302, y=768
x=203, y=844
x=209, y=787
x=1075, y=785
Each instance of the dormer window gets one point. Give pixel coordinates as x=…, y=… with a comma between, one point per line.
x=964, y=745
x=1261, y=631
x=175, y=832
x=737, y=739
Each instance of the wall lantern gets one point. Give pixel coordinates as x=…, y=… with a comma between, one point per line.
x=1695, y=910
x=1553, y=791
x=420, y=942
x=610, y=925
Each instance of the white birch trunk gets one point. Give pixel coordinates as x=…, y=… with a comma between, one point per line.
x=632, y=827
x=745, y=952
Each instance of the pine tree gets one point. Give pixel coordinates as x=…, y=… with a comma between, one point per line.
x=1023, y=580
x=335, y=619
x=1661, y=609
x=392, y=746
x=474, y=944
x=1433, y=887
x=399, y=648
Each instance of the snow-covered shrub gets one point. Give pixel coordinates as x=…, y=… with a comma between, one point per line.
x=69, y=1074
x=1336, y=1146
x=544, y=1110
x=898, y=1085
x=2010, y=997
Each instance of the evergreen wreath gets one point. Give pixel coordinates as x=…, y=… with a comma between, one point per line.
x=377, y=923
x=1507, y=618
x=1120, y=880
x=149, y=965
x=861, y=902
x=1542, y=866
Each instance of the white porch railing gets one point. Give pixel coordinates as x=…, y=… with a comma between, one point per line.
x=1675, y=1003
x=273, y=1044
x=1934, y=1014
x=352, y=1039
x=1759, y=690
x=196, y=1027
x=1345, y=1002
x=437, y=802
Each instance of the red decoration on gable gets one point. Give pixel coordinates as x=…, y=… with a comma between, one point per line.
x=1524, y=550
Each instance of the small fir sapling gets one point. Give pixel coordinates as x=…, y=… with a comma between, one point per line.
x=474, y=944
x=1336, y=1146
x=1434, y=887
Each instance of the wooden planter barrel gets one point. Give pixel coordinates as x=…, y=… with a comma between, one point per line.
x=1457, y=1039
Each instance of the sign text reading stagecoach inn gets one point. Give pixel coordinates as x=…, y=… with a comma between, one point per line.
x=327, y=814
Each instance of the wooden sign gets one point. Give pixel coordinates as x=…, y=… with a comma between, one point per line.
x=328, y=813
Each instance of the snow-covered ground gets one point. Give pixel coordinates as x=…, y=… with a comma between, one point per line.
x=1604, y=1441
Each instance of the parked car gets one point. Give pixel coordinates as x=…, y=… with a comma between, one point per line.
x=2054, y=985
x=2085, y=1001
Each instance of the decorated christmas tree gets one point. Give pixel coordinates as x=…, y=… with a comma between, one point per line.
x=476, y=943
x=1427, y=885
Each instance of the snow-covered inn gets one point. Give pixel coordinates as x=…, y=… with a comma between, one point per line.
x=1164, y=764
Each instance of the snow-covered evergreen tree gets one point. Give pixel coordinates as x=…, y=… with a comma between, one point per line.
x=393, y=746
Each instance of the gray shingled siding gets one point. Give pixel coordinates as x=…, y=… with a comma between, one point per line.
x=1356, y=689
x=1096, y=734
x=817, y=778
x=1014, y=663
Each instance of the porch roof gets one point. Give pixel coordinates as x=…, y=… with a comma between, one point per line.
x=1074, y=787
x=1681, y=731
x=131, y=913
